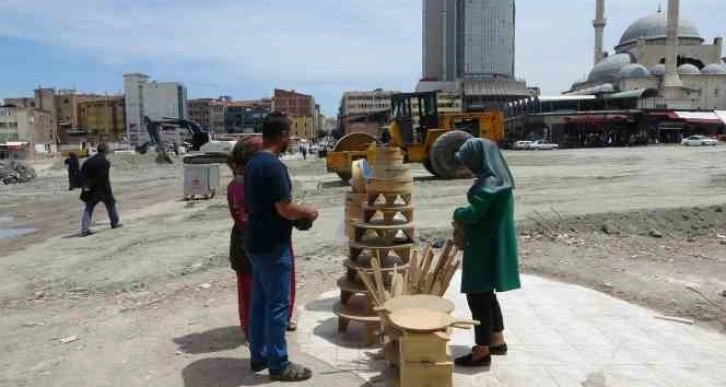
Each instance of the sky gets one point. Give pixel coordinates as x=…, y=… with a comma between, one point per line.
x=246, y=48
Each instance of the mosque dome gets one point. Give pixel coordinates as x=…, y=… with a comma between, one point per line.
x=658, y=70
x=714, y=68
x=655, y=26
x=609, y=68
x=687, y=69
x=633, y=70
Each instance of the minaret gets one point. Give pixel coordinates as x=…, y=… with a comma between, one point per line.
x=599, y=23
x=672, y=81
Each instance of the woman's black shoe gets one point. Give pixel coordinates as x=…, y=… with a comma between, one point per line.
x=468, y=361
x=499, y=350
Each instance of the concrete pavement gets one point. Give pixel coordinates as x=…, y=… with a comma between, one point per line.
x=558, y=335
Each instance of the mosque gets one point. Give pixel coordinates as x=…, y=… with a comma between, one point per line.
x=662, y=82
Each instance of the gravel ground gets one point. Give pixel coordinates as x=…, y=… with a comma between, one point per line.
x=642, y=224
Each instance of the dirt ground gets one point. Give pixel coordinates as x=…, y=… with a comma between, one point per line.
x=151, y=302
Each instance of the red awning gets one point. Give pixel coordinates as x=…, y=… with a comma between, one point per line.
x=599, y=118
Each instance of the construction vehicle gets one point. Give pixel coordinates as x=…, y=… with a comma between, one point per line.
x=424, y=136
x=201, y=145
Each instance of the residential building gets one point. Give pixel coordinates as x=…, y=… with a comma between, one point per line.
x=25, y=124
x=200, y=111
x=62, y=105
x=331, y=123
x=155, y=100
x=246, y=116
x=67, y=104
x=105, y=117
x=293, y=104
x=218, y=110
x=302, y=127
x=210, y=113
x=318, y=118
x=364, y=111
x=363, y=102
x=20, y=102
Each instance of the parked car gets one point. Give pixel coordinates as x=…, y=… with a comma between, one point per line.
x=542, y=145
x=699, y=141
x=521, y=145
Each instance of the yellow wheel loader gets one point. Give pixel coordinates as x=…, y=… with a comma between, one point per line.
x=424, y=136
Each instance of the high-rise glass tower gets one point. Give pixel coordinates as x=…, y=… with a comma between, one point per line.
x=439, y=40
x=485, y=39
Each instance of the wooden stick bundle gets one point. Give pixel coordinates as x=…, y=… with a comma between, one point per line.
x=427, y=276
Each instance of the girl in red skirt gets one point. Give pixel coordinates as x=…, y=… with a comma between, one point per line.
x=237, y=254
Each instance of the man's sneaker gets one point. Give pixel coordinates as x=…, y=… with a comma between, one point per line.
x=115, y=226
x=293, y=373
x=85, y=234
x=258, y=366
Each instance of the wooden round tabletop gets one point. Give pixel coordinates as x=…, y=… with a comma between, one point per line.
x=421, y=301
x=424, y=320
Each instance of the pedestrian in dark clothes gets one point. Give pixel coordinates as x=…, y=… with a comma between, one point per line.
x=239, y=260
x=75, y=179
x=490, y=246
x=97, y=189
x=272, y=212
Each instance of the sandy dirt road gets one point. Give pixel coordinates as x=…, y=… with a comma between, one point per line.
x=128, y=293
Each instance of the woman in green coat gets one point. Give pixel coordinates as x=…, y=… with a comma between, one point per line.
x=490, y=251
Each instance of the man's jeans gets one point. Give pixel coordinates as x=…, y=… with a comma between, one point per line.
x=270, y=301
x=88, y=214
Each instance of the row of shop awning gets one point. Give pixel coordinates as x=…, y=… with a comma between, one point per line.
x=698, y=117
x=712, y=117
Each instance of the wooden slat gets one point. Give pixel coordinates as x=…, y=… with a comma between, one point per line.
x=378, y=276
x=447, y=280
x=428, y=259
x=413, y=273
x=443, y=260
x=366, y=279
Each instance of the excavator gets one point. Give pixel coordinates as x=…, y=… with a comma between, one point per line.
x=203, y=148
x=424, y=136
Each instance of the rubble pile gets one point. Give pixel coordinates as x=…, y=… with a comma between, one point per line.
x=15, y=172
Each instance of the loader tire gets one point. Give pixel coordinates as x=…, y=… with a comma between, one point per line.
x=443, y=160
x=429, y=168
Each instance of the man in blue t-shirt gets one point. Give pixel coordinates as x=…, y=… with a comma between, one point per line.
x=268, y=238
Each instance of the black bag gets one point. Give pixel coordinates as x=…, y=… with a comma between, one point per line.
x=86, y=195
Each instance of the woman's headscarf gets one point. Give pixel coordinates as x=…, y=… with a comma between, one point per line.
x=484, y=159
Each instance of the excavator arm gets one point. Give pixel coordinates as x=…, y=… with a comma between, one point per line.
x=199, y=136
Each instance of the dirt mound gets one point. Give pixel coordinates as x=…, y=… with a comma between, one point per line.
x=658, y=223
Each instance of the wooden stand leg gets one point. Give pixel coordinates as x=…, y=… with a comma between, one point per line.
x=345, y=297
x=343, y=325
x=371, y=335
